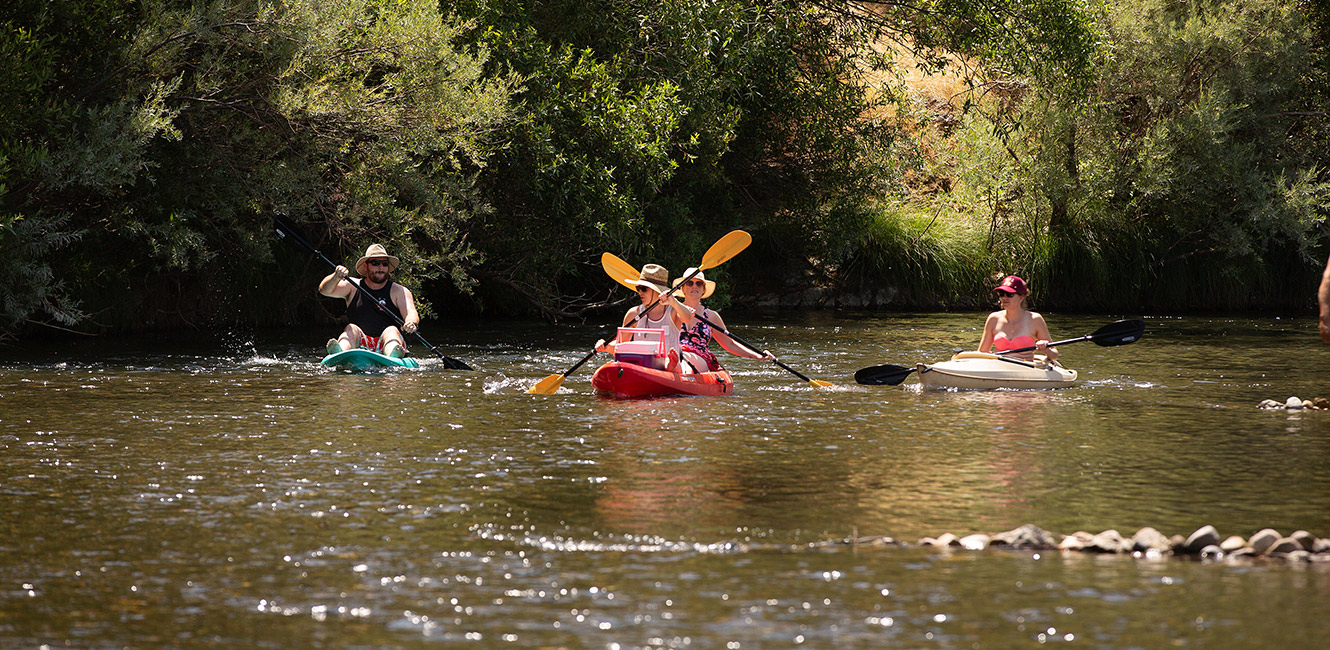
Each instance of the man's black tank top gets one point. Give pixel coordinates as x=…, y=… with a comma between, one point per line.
x=369, y=318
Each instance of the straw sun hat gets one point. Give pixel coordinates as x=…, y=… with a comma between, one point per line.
x=373, y=252
x=711, y=286
x=654, y=276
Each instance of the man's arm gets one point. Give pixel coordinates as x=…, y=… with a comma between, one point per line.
x=406, y=304
x=335, y=284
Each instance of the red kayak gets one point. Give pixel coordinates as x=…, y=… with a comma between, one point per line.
x=628, y=380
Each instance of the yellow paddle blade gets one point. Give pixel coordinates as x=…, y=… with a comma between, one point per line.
x=621, y=271
x=547, y=386
x=818, y=383
x=727, y=247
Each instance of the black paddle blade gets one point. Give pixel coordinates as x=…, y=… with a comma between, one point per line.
x=887, y=374
x=1119, y=333
x=456, y=364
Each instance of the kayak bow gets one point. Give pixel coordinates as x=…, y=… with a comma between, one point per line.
x=628, y=380
x=980, y=371
x=361, y=359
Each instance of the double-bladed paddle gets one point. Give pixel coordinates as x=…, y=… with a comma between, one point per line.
x=624, y=273
x=1119, y=332
x=720, y=252
x=290, y=232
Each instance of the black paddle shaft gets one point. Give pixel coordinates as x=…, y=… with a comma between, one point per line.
x=750, y=347
x=1119, y=332
x=286, y=229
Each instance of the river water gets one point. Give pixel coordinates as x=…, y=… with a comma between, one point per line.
x=231, y=491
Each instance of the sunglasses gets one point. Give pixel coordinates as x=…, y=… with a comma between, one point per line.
x=1004, y=294
x=384, y=263
x=643, y=289
x=695, y=283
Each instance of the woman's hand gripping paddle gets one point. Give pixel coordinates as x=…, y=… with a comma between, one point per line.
x=291, y=233
x=1120, y=332
x=720, y=252
x=625, y=274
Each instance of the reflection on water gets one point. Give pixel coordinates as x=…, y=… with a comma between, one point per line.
x=171, y=494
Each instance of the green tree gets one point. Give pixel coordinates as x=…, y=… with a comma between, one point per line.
x=171, y=152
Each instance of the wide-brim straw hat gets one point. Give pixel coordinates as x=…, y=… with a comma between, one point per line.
x=711, y=286
x=376, y=251
x=654, y=276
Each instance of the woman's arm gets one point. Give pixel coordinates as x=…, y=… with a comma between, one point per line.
x=680, y=312
x=990, y=330
x=732, y=346
x=1042, y=337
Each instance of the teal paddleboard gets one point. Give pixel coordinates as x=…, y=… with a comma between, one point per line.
x=362, y=359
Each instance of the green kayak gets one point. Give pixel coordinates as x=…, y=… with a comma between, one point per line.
x=362, y=359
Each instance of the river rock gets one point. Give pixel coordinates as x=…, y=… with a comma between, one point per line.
x=875, y=540
x=1293, y=403
x=1076, y=541
x=1245, y=551
x=975, y=542
x=1320, y=403
x=1270, y=404
x=1284, y=546
x=1264, y=539
x=1203, y=537
x=1212, y=552
x=1110, y=541
x=1149, y=539
x=1233, y=543
x=1322, y=546
x=1305, y=538
x=944, y=540
x=1028, y=536
x=1298, y=556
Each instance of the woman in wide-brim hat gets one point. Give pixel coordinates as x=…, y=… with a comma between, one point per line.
x=666, y=312
x=1015, y=326
x=695, y=336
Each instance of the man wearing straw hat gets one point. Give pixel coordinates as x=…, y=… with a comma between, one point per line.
x=370, y=326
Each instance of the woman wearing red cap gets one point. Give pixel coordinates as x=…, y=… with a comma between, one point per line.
x=1015, y=326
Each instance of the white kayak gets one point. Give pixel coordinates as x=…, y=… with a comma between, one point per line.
x=981, y=370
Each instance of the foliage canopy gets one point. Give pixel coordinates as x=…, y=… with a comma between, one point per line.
x=1175, y=148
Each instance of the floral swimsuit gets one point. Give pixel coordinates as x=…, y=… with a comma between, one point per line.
x=696, y=339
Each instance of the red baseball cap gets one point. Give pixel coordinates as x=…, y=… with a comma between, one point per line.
x=1013, y=284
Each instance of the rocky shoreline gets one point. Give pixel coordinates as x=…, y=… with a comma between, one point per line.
x=1296, y=404
x=1204, y=543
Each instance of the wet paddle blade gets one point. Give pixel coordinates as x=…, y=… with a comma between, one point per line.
x=455, y=364
x=886, y=374
x=621, y=271
x=727, y=247
x=818, y=383
x=1119, y=333
x=547, y=386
